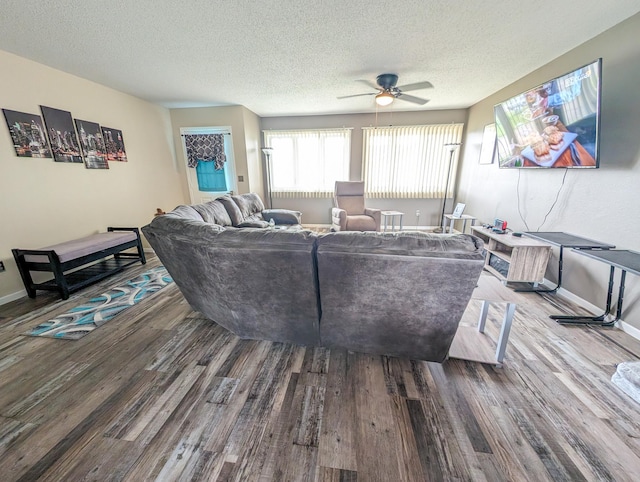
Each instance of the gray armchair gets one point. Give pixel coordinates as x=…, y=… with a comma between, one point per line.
x=349, y=213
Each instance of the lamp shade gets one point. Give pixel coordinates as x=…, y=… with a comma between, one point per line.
x=384, y=98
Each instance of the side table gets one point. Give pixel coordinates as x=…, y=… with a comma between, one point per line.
x=463, y=217
x=623, y=259
x=563, y=240
x=470, y=343
x=391, y=214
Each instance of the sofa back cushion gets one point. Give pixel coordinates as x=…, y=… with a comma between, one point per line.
x=354, y=205
x=232, y=210
x=398, y=294
x=213, y=212
x=188, y=212
x=349, y=195
x=249, y=204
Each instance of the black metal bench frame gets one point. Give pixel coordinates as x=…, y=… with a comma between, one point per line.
x=66, y=282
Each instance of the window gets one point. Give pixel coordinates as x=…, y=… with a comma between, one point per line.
x=201, y=150
x=307, y=163
x=410, y=161
x=211, y=179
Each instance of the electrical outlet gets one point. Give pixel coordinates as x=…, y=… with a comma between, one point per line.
x=417, y=212
x=1, y=266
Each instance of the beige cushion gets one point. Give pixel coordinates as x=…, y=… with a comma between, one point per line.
x=351, y=204
x=78, y=248
x=361, y=222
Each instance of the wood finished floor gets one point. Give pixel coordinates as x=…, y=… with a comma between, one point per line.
x=160, y=393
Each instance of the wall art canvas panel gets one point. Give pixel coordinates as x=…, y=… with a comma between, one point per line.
x=62, y=135
x=27, y=133
x=488, y=149
x=92, y=144
x=115, y=144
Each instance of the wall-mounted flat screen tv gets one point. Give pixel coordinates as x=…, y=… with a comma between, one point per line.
x=556, y=124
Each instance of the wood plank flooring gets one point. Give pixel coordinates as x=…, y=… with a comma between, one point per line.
x=161, y=393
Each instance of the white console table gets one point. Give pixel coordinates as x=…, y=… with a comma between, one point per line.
x=393, y=215
x=452, y=219
x=470, y=342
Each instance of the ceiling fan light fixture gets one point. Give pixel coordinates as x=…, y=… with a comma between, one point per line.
x=384, y=98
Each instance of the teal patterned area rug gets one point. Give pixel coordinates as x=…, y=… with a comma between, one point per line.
x=83, y=319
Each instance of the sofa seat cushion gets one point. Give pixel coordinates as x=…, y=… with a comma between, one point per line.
x=80, y=247
x=361, y=222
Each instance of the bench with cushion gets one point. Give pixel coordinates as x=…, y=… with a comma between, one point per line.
x=64, y=259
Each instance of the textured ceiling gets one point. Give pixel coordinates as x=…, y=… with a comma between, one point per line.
x=286, y=57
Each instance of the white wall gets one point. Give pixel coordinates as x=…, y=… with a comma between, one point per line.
x=45, y=202
x=318, y=211
x=597, y=203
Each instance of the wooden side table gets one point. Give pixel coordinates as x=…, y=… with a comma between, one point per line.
x=463, y=217
x=514, y=259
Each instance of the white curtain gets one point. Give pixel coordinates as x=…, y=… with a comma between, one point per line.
x=307, y=163
x=409, y=161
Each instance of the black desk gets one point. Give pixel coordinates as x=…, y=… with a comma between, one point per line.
x=563, y=240
x=623, y=259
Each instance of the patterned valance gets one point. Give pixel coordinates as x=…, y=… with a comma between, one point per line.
x=205, y=147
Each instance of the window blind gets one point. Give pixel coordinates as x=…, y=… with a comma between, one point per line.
x=409, y=161
x=307, y=163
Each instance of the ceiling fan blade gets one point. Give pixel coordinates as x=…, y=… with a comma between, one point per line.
x=411, y=98
x=416, y=86
x=368, y=83
x=356, y=95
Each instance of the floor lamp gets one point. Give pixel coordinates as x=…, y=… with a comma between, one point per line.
x=452, y=148
x=267, y=154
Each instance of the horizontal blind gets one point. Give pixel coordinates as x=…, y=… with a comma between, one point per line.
x=307, y=163
x=409, y=161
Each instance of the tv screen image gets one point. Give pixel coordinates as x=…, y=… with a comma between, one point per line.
x=555, y=124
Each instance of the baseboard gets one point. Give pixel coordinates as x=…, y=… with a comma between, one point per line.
x=630, y=330
x=12, y=297
x=622, y=325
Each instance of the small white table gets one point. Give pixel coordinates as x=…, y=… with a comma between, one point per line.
x=463, y=217
x=391, y=214
x=470, y=343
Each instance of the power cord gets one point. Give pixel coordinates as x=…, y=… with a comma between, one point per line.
x=550, y=209
x=555, y=201
x=518, y=195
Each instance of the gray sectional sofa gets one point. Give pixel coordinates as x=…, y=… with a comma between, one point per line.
x=398, y=294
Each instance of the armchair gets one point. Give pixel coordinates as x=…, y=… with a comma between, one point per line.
x=349, y=213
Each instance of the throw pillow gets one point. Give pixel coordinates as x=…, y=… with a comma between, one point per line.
x=253, y=224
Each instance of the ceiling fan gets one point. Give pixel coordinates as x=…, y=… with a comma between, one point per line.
x=387, y=90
